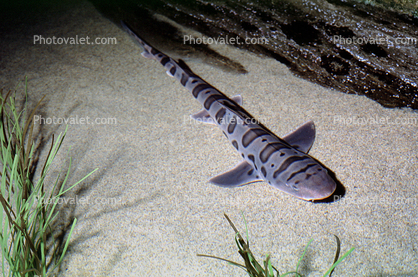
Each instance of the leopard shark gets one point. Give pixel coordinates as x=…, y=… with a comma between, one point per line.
x=283, y=163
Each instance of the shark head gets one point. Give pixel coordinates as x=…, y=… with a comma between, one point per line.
x=315, y=184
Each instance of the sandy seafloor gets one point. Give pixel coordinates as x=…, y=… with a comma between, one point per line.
x=149, y=209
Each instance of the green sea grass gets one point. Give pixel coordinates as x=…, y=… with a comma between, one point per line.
x=255, y=269
x=28, y=247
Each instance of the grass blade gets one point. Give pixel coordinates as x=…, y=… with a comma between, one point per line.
x=254, y=269
x=26, y=239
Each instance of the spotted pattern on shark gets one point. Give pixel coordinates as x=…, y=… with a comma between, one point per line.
x=284, y=162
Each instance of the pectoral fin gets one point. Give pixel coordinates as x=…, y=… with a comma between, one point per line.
x=303, y=137
x=240, y=175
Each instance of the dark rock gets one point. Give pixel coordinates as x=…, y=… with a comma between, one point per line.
x=344, y=45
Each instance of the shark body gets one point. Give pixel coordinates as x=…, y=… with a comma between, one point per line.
x=282, y=162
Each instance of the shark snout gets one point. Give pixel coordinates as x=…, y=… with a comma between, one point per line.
x=317, y=187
